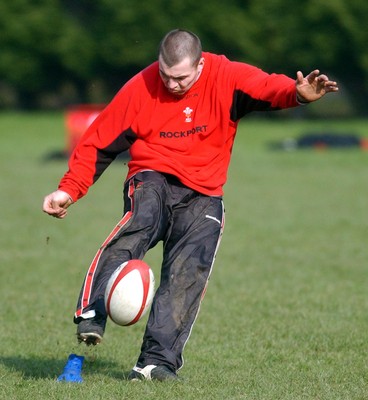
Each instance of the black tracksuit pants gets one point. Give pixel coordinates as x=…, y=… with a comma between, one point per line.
x=157, y=207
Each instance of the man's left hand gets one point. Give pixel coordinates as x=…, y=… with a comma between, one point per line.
x=313, y=86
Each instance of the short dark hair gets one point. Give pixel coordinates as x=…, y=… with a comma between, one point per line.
x=179, y=44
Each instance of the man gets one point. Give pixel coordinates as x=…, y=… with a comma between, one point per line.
x=178, y=118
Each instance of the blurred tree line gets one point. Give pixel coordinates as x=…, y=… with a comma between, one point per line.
x=59, y=52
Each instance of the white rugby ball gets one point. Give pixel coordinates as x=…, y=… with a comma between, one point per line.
x=129, y=292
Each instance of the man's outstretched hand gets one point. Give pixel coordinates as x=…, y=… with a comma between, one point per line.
x=313, y=86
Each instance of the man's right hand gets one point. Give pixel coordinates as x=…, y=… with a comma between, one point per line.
x=56, y=203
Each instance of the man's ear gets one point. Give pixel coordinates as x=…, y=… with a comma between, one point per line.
x=201, y=64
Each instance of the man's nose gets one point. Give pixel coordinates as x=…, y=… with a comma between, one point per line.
x=171, y=83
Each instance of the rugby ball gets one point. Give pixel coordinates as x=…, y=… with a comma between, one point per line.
x=129, y=292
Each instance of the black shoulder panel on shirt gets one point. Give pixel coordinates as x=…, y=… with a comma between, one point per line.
x=243, y=104
x=107, y=155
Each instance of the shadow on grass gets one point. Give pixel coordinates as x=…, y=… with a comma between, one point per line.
x=41, y=368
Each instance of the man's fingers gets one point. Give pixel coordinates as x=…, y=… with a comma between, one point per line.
x=312, y=76
x=323, y=78
x=299, y=77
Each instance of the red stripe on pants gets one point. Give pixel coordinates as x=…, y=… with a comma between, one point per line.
x=87, y=286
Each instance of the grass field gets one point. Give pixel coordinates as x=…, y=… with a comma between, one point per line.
x=285, y=315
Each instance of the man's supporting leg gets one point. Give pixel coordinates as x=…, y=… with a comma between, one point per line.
x=189, y=254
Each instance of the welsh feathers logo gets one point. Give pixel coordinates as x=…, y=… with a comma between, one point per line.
x=188, y=114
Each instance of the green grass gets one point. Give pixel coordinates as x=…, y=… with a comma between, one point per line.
x=285, y=315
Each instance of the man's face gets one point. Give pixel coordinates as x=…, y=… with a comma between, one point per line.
x=179, y=78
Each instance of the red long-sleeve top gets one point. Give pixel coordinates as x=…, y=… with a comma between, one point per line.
x=190, y=136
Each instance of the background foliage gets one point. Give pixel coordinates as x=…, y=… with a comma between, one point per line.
x=57, y=52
